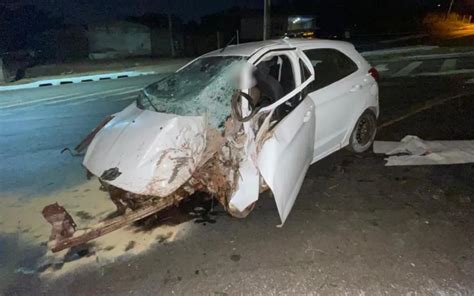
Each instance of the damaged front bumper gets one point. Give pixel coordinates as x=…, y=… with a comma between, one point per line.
x=148, y=161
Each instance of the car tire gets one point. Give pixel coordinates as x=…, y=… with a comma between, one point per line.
x=363, y=134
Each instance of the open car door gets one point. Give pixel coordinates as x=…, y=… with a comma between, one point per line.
x=285, y=157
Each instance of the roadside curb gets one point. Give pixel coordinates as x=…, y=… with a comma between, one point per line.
x=56, y=81
x=77, y=79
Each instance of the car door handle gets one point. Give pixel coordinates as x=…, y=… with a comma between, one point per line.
x=307, y=116
x=356, y=87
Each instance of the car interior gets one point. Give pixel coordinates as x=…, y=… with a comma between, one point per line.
x=275, y=78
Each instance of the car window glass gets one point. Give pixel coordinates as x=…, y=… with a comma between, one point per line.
x=329, y=65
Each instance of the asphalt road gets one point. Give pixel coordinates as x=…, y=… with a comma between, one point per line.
x=36, y=124
x=357, y=228
x=437, y=66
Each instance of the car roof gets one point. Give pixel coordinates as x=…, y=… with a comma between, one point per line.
x=248, y=49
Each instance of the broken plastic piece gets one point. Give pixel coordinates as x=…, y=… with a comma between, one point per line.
x=63, y=224
x=412, y=150
x=64, y=227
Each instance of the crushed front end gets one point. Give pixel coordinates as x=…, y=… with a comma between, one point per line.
x=148, y=160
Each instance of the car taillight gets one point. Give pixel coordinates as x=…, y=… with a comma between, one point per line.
x=374, y=73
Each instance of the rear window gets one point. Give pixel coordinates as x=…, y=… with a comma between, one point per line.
x=330, y=65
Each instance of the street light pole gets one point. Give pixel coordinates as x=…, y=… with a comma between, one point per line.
x=170, y=30
x=266, y=19
x=450, y=8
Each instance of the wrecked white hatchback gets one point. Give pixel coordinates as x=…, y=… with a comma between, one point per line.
x=232, y=123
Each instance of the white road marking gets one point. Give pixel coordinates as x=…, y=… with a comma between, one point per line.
x=73, y=96
x=453, y=72
x=408, y=69
x=398, y=50
x=448, y=65
x=382, y=67
x=109, y=95
x=116, y=91
x=36, y=101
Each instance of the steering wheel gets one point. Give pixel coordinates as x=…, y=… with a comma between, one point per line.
x=236, y=110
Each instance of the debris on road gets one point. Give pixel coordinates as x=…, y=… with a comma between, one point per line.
x=412, y=150
x=63, y=224
x=62, y=237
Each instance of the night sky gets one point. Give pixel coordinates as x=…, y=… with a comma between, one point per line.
x=85, y=11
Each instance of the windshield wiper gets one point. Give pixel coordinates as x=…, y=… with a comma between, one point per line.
x=149, y=101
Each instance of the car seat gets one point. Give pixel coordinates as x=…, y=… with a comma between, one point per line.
x=270, y=88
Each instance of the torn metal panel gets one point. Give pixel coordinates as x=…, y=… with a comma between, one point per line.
x=62, y=223
x=248, y=185
x=79, y=237
x=412, y=150
x=122, y=199
x=218, y=175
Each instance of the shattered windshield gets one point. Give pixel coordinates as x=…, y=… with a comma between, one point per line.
x=203, y=87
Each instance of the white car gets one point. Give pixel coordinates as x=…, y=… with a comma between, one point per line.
x=237, y=121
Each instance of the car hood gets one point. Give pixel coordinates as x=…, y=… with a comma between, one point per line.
x=147, y=152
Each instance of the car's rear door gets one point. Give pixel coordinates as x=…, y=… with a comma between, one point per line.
x=285, y=156
x=337, y=91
